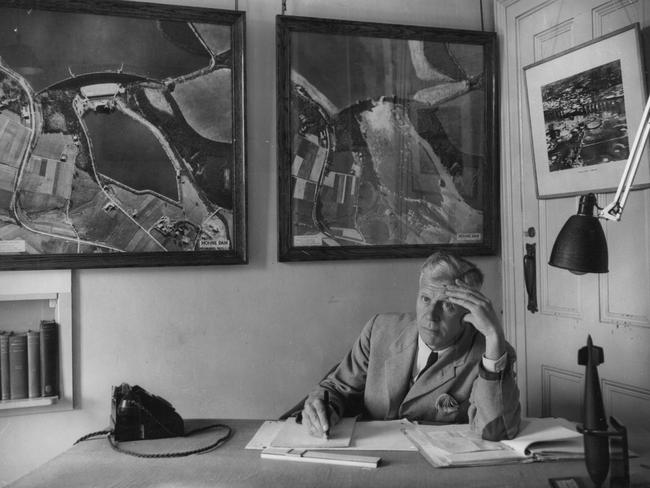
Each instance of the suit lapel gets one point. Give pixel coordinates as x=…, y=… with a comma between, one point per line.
x=399, y=364
x=444, y=369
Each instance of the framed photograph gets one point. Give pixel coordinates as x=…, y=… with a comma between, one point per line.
x=585, y=106
x=387, y=140
x=121, y=135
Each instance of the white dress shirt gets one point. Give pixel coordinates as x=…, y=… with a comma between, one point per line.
x=491, y=365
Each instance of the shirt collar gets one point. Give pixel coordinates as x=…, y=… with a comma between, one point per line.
x=425, y=349
x=423, y=355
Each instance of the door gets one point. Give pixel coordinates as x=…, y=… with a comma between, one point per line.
x=614, y=307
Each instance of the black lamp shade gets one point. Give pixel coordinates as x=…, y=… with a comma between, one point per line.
x=581, y=246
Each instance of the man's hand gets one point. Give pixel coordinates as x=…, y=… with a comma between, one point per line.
x=481, y=315
x=314, y=416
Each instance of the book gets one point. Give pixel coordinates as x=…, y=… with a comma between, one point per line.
x=33, y=364
x=49, y=331
x=4, y=366
x=539, y=439
x=17, y=366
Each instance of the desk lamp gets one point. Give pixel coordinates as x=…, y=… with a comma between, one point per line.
x=581, y=246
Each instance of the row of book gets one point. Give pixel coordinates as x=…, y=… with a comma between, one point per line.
x=29, y=362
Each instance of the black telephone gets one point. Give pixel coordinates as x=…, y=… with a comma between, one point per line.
x=136, y=414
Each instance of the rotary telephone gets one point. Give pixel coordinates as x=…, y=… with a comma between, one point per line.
x=138, y=415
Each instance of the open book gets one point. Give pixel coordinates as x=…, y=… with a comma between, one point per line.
x=539, y=439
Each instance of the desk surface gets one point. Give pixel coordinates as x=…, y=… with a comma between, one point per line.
x=94, y=463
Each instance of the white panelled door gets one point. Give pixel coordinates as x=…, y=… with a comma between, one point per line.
x=613, y=308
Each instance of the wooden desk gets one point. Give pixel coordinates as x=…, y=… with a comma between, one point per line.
x=94, y=464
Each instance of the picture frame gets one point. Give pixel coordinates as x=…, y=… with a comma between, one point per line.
x=347, y=190
x=122, y=135
x=585, y=105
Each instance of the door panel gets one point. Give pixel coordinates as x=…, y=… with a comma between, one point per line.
x=613, y=308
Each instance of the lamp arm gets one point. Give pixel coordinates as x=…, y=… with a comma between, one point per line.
x=614, y=210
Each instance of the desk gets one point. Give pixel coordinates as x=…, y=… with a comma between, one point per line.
x=94, y=464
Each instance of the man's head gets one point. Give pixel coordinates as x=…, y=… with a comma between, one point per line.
x=440, y=322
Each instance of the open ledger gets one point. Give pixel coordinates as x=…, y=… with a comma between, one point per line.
x=539, y=439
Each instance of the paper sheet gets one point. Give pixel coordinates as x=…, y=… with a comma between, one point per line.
x=265, y=434
x=535, y=430
x=295, y=435
x=458, y=438
x=381, y=435
x=376, y=435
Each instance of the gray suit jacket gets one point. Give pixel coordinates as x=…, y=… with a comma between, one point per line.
x=374, y=380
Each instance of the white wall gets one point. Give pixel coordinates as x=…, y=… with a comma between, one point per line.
x=232, y=341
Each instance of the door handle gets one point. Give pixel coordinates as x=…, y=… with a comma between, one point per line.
x=530, y=277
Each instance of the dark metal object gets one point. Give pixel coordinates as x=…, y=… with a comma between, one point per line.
x=596, y=446
x=581, y=246
x=530, y=276
x=597, y=437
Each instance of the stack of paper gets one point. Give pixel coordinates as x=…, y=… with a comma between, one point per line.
x=539, y=439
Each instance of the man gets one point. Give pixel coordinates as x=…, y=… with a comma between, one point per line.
x=385, y=375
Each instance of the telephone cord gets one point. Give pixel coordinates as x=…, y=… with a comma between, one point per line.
x=116, y=447
x=214, y=445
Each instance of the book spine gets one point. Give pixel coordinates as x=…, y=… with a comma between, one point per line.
x=49, y=358
x=4, y=366
x=34, y=363
x=18, y=366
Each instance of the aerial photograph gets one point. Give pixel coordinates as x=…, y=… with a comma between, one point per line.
x=115, y=134
x=389, y=141
x=585, y=120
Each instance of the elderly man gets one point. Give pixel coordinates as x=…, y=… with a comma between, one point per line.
x=448, y=363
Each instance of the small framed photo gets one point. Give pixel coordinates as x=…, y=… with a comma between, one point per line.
x=121, y=135
x=585, y=105
x=387, y=140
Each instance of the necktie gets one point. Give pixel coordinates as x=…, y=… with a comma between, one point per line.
x=433, y=357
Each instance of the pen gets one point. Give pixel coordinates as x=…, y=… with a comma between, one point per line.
x=326, y=399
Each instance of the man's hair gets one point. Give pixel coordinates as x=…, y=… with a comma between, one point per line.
x=442, y=263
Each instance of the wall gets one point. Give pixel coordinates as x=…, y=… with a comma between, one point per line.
x=232, y=341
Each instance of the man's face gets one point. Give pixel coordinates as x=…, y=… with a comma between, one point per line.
x=439, y=321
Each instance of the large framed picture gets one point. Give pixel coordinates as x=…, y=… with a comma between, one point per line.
x=585, y=106
x=121, y=135
x=387, y=140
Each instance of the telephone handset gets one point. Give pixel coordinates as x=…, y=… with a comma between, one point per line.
x=136, y=414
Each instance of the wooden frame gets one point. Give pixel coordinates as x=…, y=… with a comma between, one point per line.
x=122, y=135
x=387, y=140
x=585, y=105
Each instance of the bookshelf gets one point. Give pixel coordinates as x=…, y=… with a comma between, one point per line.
x=26, y=298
